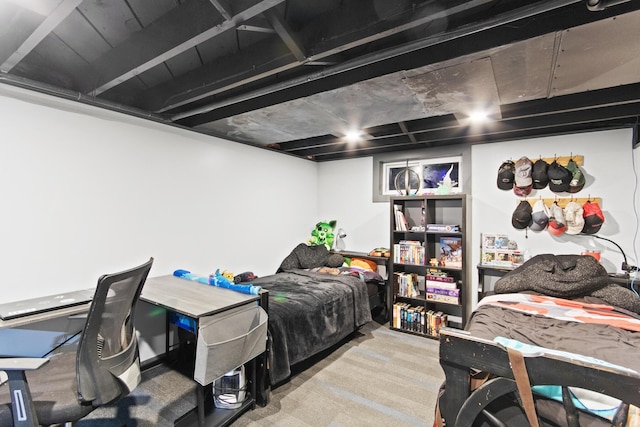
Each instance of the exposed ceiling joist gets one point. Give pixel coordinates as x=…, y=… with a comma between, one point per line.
x=296, y=76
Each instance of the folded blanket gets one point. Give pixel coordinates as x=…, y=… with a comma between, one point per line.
x=567, y=276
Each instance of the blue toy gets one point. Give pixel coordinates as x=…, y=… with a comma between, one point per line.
x=219, y=280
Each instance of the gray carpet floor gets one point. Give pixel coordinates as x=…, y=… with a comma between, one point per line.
x=378, y=377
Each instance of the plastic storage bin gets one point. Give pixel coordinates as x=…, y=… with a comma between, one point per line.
x=228, y=340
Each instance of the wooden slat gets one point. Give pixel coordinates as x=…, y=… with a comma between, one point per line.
x=563, y=160
x=563, y=201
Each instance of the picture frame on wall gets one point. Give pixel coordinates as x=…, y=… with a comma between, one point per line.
x=430, y=174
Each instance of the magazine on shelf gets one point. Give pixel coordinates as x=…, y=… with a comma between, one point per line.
x=451, y=251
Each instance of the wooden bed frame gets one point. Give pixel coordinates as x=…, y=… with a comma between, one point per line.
x=462, y=355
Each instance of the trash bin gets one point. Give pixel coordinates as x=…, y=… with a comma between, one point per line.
x=228, y=340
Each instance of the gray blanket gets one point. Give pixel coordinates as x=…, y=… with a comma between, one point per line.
x=308, y=313
x=567, y=276
x=305, y=256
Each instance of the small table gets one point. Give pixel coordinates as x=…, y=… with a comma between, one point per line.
x=197, y=301
x=383, y=295
x=491, y=270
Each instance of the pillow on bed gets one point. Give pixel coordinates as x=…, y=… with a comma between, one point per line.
x=364, y=264
x=325, y=270
x=367, y=275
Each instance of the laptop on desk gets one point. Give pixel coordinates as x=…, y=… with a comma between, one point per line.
x=12, y=310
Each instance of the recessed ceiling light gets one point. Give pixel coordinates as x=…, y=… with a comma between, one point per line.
x=479, y=116
x=353, y=136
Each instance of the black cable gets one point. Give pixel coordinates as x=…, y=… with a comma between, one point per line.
x=625, y=266
x=617, y=245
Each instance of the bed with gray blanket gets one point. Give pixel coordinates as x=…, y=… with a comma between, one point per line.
x=311, y=308
x=573, y=329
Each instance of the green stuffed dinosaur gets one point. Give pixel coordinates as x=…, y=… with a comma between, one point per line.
x=323, y=234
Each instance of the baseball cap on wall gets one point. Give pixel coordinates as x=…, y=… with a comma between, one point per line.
x=522, y=181
x=559, y=177
x=593, y=217
x=522, y=191
x=539, y=174
x=577, y=177
x=521, y=217
x=557, y=226
x=573, y=218
x=539, y=216
x=506, y=175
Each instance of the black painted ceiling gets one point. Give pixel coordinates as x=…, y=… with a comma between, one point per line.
x=295, y=75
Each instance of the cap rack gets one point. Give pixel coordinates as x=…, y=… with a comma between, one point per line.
x=563, y=160
x=563, y=201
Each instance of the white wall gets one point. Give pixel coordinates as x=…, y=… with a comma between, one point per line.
x=610, y=175
x=344, y=194
x=86, y=191
x=608, y=162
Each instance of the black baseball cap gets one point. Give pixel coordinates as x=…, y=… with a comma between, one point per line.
x=506, y=175
x=521, y=217
x=539, y=174
x=559, y=177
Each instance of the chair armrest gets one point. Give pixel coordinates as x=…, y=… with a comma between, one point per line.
x=24, y=412
x=21, y=363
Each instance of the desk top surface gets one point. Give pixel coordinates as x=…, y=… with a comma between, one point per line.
x=191, y=298
x=45, y=316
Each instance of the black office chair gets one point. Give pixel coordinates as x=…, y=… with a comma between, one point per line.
x=106, y=365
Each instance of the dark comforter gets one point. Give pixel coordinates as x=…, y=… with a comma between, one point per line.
x=308, y=313
x=571, y=277
x=606, y=342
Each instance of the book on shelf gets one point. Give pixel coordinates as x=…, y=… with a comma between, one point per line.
x=407, y=284
x=446, y=282
x=398, y=312
x=410, y=318
x=447, y=299
x=435, y=321
x=401, y=221
x=443, y=291
x=418, y=319
x=451, y=251
x=446, y=228
x=409, y=252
